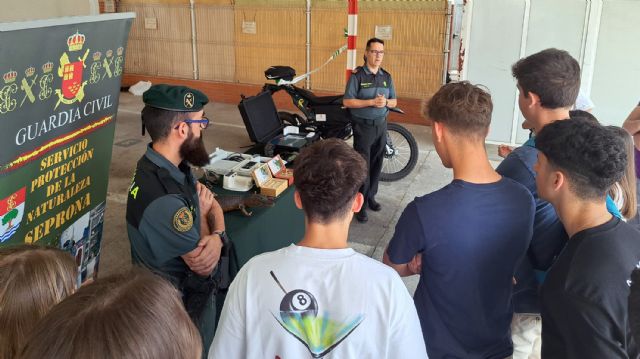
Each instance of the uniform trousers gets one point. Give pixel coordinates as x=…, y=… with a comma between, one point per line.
x=369, y=140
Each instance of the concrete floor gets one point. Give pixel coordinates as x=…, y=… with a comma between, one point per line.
x=228, y=132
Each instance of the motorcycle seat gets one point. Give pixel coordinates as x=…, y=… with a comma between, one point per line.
x=319, y=100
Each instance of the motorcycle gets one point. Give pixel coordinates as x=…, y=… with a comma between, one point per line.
x=326, y=116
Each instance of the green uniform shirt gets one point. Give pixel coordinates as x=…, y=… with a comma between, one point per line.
x=365, y=85
x=162, y=226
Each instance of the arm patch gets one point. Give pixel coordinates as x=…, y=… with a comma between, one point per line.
x=183, y=220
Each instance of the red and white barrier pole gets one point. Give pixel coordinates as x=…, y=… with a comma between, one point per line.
x=352, y=32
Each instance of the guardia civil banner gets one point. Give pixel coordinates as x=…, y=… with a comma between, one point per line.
x=58, y=104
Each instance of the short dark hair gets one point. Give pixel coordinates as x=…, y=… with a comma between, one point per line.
x=551, y=74
x=327, y=176
x=580, y=114
x=372, y=40
x=158, y=122
x=134, y=314
x=592, y=156
x=462, y=107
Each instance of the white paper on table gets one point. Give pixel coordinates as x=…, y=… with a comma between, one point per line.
x=290, y=130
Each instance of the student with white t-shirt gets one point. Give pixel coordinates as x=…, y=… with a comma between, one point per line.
x=319, y=298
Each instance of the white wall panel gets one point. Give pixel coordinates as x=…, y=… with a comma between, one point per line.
x=493, y=46
x=601, y=35
x=616, y=77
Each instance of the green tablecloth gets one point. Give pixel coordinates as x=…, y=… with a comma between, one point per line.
x=267, y=229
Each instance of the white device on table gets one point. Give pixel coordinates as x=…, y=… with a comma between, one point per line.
x=245, y=167
x=221, y=164
x=237, y=182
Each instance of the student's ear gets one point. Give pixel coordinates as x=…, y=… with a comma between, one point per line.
x=559, y=179
x=297, y=200
x=533, y=99
x=357, y=203
x=438, y=130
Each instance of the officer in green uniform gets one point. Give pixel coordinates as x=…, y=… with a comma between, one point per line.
x=175, y=226
x=369, y=94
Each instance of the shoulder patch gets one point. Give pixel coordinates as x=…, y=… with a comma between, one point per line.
x=183, y=220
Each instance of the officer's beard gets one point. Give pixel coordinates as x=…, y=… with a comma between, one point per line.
x=193, y=151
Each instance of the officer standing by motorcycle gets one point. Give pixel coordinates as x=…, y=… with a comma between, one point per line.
x=175, y=226
x=369, y=94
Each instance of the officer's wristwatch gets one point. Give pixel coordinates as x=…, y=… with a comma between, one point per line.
x=222, y=234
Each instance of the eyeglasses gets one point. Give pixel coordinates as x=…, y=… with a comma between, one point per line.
x=204, y=122
x=376, y=52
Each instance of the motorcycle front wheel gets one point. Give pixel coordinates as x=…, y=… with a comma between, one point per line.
x=401, y=153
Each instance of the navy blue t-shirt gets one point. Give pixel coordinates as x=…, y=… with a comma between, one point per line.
x=471, y=237
x=549, y=236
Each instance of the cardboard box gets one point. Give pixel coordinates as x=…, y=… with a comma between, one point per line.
x=268, y=185
x=279, y=170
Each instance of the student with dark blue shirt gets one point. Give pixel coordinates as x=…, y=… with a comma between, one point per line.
x=548, y=84
x=584, y=296
x=466, y=238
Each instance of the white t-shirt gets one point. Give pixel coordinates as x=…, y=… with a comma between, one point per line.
x=325, y=303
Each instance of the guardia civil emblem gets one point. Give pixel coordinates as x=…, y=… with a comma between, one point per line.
x=11, y=212
x=183, y=220
x=189, y=100
x=70, y=70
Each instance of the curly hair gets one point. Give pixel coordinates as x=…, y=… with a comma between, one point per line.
x=592, y=157
x=551, y=74
x=462, y=107
x=580, y=114
x=327, y=176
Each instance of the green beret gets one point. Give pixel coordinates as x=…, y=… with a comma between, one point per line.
x=175, y=98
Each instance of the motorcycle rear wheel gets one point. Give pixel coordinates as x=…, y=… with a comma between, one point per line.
x=401, y=153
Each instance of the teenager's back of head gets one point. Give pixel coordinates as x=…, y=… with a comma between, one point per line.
x=552, y=74
x=320, y=297
x=32, y=280
x=465, y=109
x=591, y=156
x=328, y=175
x=135, y=314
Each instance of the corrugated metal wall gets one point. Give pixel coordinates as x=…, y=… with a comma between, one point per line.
x=166, y=50
x=229, y=51
x=414, y=55
x=215, y=28
x=279, y=39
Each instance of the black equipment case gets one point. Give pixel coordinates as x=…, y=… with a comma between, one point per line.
x=260, y=117
x=264, y=126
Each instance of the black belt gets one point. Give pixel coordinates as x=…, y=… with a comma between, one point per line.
x=368, y=121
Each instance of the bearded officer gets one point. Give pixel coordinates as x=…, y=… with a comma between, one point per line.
x=175, y=226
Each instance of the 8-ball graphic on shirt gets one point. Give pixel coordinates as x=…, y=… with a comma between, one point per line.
x=320, y=334
x=300, y=302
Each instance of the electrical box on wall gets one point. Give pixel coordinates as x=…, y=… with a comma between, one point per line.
x=150, y=23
